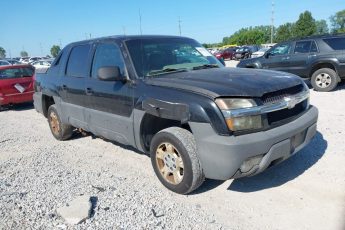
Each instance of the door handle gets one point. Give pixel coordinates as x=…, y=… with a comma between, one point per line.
x=285, y=58
x=88, y=91
x=64, y=87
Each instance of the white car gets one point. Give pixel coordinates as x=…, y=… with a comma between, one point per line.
x=259, y=53
x=24, y=60
x=34, y=59
x=41, y=64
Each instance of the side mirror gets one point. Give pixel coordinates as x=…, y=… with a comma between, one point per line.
x=110, y=73
x=267, y=54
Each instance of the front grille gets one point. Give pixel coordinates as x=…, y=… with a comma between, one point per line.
x=284, y=114
x=277, y=96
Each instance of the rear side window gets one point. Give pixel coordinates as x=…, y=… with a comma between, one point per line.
x=302, y=47
x=336, y=43
x=77, y=65
x=107, y=55
x=16, y=73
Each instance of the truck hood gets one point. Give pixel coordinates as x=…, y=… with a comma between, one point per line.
x=223, y=82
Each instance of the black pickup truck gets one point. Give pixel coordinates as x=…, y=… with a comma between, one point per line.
x=169, y=97
x=319, y=58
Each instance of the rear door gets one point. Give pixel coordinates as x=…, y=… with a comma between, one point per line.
x=302, y=53
x=110, y=103
x=278, y=58
x=14, y=81
x=73, y=85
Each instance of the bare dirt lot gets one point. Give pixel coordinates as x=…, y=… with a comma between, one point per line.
x=39, y=174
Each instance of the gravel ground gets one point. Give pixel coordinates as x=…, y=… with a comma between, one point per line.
x=39, y=174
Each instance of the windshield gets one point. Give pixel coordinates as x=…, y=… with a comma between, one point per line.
x=157, y=56
x=16, y=73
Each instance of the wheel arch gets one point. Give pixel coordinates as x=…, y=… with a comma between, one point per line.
x=46, y=102
x=321, y=65
x=151, y=124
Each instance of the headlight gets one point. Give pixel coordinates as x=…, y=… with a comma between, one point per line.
x=237, y=123
x=234, y=103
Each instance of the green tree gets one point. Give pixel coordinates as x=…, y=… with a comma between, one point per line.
x=55, y=50
x=2, y=52
x=24, y=54
x=338, y=22
x=250, y=35
x=284, y=32
x=321, y=27
x=304, y=26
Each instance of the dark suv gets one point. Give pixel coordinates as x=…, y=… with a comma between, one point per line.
x=169, y=97
x=245, y=52
x=320, y=59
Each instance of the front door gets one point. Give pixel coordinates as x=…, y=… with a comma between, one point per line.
x=110, y=103
x=278, y=57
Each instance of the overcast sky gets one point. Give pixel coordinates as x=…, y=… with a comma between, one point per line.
x=36, y=25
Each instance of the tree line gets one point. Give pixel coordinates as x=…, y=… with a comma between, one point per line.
x=54, y=51
x=305, y=26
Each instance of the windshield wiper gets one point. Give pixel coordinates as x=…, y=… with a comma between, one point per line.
x=166, y=70
x=206, y=66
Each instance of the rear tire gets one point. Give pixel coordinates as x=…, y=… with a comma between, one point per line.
x=324, y=80
x=175, y=161
x=59, y=130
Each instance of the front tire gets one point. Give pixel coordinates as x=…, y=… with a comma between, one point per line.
x=324, y=80
x=59, y=130
x=175, y=161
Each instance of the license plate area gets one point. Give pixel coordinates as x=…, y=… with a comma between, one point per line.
x=297, y=140
x=19, y=87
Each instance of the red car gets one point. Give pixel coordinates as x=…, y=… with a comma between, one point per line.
x=16, y=84
x=228, y=53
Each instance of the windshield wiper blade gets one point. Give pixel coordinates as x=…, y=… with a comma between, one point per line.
x=206, y=66
x=166, y=70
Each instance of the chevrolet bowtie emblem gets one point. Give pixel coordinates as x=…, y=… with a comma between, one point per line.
x=290, y=102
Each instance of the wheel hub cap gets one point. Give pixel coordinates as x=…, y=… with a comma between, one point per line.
x=54, y=123
x=169, y=163
x=323, y=80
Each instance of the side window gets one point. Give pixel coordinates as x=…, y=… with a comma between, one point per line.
x=313, y=48
x=281, y=49
x=336, y=43
x=302, y=47
x=77, y=63
x=107, y=55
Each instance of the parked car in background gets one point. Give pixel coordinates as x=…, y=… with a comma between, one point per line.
x=33, y=59
x=13, y=62
x=24, y=60
x=16, y=84
x=226, y=54
x=245, y=52
x=259, y=53
x=169, y=97
x=320, y=59
x=41, y=64
x=4, y=62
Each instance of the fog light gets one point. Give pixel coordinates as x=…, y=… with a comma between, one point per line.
x=243, y=123
x=248, y=164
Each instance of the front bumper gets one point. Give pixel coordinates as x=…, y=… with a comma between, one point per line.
x=225, y=157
